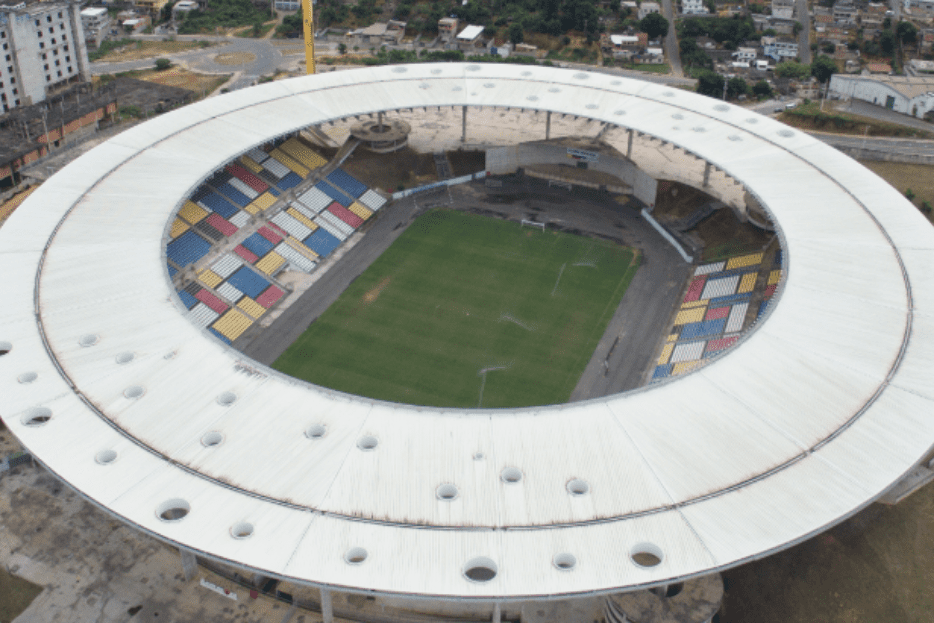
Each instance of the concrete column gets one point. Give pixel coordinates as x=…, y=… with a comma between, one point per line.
x=629, y=146
x=547, y=125
x=327, y=608
x=463, y=124
x=706, y=174
x=189, y=564
x=497, y=613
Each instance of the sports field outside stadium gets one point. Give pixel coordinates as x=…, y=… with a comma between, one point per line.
x=466, y=311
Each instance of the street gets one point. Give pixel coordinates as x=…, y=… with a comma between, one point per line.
x=804, y=37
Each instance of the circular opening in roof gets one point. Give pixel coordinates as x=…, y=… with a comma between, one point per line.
x=173, y=510
x=511, y=475
x=578, y=487
x=477, y=456
x=698, y=128
x=133, y=391
x=752, y=120
x=480, y=569
x=399, y=70
x=646, y=555
x=226, y=399
x=616, y=83
x=581, y=75
x=786, y=133
x=37, y=416
x=554, y=90
x=211, y=439
x=316, y=431
x=669, y=93
x=446, y=492
x=532, y=98
x=124, y=358
x=105, y=457
x=488, y=85
x=5, y=347
x=457, y=89
x=436, y=71
x=677, y=115
x=721, y=107
x=88, y=340
x=526, y=73
x=170, y=355
x=473, y=67
x=734, y=137
x=355, y=556
x=620, y=112
x=424, y=85
x=674, y=589
x=591, y=106
x=367, y=443
x=27, y=377
x=564, y=561
x=241, y=530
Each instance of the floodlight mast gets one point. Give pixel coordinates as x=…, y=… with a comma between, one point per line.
x=308, y=22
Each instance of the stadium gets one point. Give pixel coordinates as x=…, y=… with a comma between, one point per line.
x=123, y=383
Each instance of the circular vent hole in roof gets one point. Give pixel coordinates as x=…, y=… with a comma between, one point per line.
x=734, y=137
x=677, y=115
x=473, y=67
x=5, y=347
x=211, y=439
x=123, y=358
x=532, y=98
x=477, y=456
x=173, y=510
x=511, y=475
x=620, y=112
x=436, y=71
x=27, y=377
x=578, y=487
x=316, y=431
x=226, y=399
x=88, y=340
x=564, y=561
x=37, y=416
x=786, y=133
x=241, y=530
x=646, y=555
x=457, y=89
x=721, y=107
x=446, y=492
x=581, y=75
x=752, y=120
x=367, y=442
x=480, y=569
x=591, y=106
x=170, y=355
x=669, y=93
x=134, y=391
x=554, y=90
x=355, y=555
x=399, y=70
x=488, y=85
x=616, y=83
x=105, y=457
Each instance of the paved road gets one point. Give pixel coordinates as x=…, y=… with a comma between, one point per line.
x=671, y=41
x=804, y=37
x=904, y=147
x=880, y=113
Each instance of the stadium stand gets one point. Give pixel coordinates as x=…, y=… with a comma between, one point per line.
x=178, y=228
x=276, y=168
x=301, y=218
x=229, y=292
x=695, y=289
x=172, y=270
x=215, y=203
x=296, y=259
x=209, y=231
x=744, y=261
x=253, y=309
x=291, y=226
x=258, y=245
x=706, y=269
x=245, y=188
x=360, y=210
x=211, y=300
x=249, y=163
x=261, y=203
x=221, y=224
x=326, y=222
x=209, y=278
x=295, y=148
x=723, y=286
x=283, y=158
x=248, y=282
x=226, y=265
x=202, y=315
x=704, y=328
x=187, y=300
x=219, y=335
x=248, y=178
x=233, y=194
x=232, y=324
x=245, y=253
x=688, y=351
x=345, y=215
x=270, y=297
x=746, y=283
x=257, y=155
x=333, y=193
x=270, y=263
x=321, y=242
x=717, y=313
x=187, y=249
x=269, y=235
x=347, y=182
x=289, y=181
x=372, y=200
x=315, y=200
x=240, y=219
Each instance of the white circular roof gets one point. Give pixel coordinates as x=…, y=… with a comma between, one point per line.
x=812, y=416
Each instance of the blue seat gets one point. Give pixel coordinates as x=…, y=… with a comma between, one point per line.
x=187, y=249
x=347, y=182
x=289, y=181
x=720, y=301
x=662, y=372
x=702, y=329
x=248, y=282
x=258, y=245
x=172, y=270
x=233, y=194
x=218, y=204
x=321, y=242
x=218, y=335
x=187, y=299
x=333, y=193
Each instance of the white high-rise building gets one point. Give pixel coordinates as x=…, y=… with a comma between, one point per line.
x=693, y=7
x=42, y=48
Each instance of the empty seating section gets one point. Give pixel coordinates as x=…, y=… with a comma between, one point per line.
x=301, y=218
x=372, y=200
x=684, y=367
x=251, y=308
x=721, y=344
x=270, y=297
x=662, y=372
x=218, y=335
x=724, y=286
x=705, y=328
x=289, y=181
x=329, y=223
x=290, y=162
x=770, y=290
x=260, y=204
x=248, y=282
x=202, y=315
x=215, y=203
x=209, y=278
x=717, y=313
x=744, y=261
x=211, y=301
x=258, y=245
x=774, y=277
x=221, y=224
x=693, y=304
x=187, y=249
x=233, y=194
x=232, y=324
x=245, y=189
x=747, y=282
x=172, y=270
x=240, y=219
x=295, y=148
x=227, y=265
x=269, y=235
x=229, y=292
x=209, y=231
x=735, y=320
x=688, y=351
x=178, y=228
x=245, y=253
x=695, y=289
x=345, y=215
x=360, y=210
x=728, y=300
x=321, y=242
x=666, y=353
x=187, y=300
x=347, y=182
x=250, y=164
x=296, y=259
x=778, y=258
x=764, y=305
x=706, y=269
x=299, y=246
x=301, y=209
x=247, y=177
x=276, y=168
x=291, y=226
x=690, y=315
x=192, y=212
x=257, y=155
x=333, y=193
x=271, y=263
x=315, y=199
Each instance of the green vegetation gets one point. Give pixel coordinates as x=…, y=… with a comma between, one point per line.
x=15, y=595
x=460, y=293
x=823, y=67
x=662, y=68
x=109, y=46
x=222, y=14
x=162, y=64
x=792, y=69
x=808, y=116
x=654, y=25
x=257, y=31
x=730, y=31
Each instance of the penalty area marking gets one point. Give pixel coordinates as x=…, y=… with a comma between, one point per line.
x=482, y=375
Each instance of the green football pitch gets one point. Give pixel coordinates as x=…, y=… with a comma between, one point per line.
x=467, y=311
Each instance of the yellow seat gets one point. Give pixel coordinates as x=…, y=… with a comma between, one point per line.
x=666, y=353
x=298, y=246
x=686, y=366
x=232, y=324
x=690, y=315
x=360, y=210
x=747, y=283
x=179, y=227
x=270, y=263
x=251, y=164
x=774, y=277
x=301, y=218
x=251, y=307
x=209, y=278
x=290, y=162
x=192, y=212
x=743, y=261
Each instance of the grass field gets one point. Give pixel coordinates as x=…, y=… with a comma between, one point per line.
x=457, y=294
x=15, y=595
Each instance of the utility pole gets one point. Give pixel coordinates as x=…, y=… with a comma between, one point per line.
x=308, y=26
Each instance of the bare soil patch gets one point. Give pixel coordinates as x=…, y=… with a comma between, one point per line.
x=918, y=177
x=405, y=168
x=234, y=58
x=150, y=49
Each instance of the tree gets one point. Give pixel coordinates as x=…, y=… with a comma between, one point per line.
x=654, y=25
x=516, y=34
x=342, y=48
x=735, y=87
x=823, y=67
x=906, y=32
x=792, y=69
x=797, y=28
x=163, y=63
x=910, y=195
x=710, y=83
x=762, y=89
x=887, y=42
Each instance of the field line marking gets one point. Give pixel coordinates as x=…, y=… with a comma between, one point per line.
x=558, y=280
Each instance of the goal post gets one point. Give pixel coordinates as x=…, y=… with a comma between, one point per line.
x=527, y=223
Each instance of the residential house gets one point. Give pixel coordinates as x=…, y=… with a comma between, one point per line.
x=779, y=48
x=845, y=12
x=447, y=28
x=96, y=24
x=693, y=7
x=783, y=9
x=653, y=7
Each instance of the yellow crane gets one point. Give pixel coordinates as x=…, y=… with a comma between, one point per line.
x=308, y=25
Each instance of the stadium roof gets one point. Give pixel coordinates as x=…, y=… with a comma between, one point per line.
x=813, y=415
